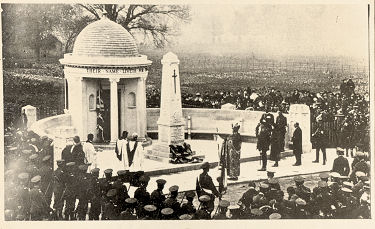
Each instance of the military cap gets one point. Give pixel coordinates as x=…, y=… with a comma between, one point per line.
x=9, y=172
x=35, y=179
x=190, y=194
x=359, y=154
x=298, y=179
x=340, y=150
x=273, y=181
x=264, y=186
x=204, y=198
x=348, y=184
x=347, y=190
x=366, y=187
x=111, y=193
x=13, y=148
x=121, y=172
x=33, y=139
x=46, y=158
x=185, y=217
x=360, y=174
x=83, y=167
x=161, y=181
x=70, y=164
x=324, y=175
x=224, y=203
x=131, y=200
x=367, y=182
x=23, y=176
x=173, y=188
x=150, y=208
x=95, y=170
x=275, y=216
x=60, y=161
x=167, y=211
x=26, y=151
x=205, y=165
x=256, y=211
x=335, y=175
x=107, y=171
x=144, y=179
x=271, y=171
x=33, y=156
x=300, y=202
x=322, y=184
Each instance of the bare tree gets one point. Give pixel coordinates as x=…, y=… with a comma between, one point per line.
x=157, y=22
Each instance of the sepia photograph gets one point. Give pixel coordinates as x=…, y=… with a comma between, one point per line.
x=257, y=110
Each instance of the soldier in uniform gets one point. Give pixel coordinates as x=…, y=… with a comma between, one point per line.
x=110, y=207
x=167, y=213
x=95, y=195
x=122, y=194
x=247, y=198
x=59, y=179
x=171, y=201
x=131, y=204
x=46, y=172
x=24, y=195
x=70, y=191
x=150, y=212
x=188, y=208
x=204, y=210
x=39, y=209
x=263, y=133
x=205, y=186
x=320, y=138
x=157, y=196
x=341, y=164
x=84, y=181
x=297, y=144
x=105, y=186
x=301, y=190
x=142, y=195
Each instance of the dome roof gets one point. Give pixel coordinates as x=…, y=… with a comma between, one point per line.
x=105, y=38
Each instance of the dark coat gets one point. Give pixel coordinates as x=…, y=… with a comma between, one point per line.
x=341, y=166
x=297, y=141
x=77, y=155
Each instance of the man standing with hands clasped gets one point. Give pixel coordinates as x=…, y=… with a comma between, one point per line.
x=297, y=144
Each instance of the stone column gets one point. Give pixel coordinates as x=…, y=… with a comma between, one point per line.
x=300, y=113
x=141, y=107
x=114, y=109
x=30, y=112
x=75, y=101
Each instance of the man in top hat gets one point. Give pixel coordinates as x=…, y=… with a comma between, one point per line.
x=142, y=195
x=58, y=180
x=188, y=208
x=205, y=186
x=157, y=197
x=39, y=207
x=74, y=153
x=46, y=172
x=95, y=195
x=341, y=164
x=222, y=210
x=297, y=144
x=171, y=201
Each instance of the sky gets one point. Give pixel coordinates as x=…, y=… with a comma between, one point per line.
x=278, y=30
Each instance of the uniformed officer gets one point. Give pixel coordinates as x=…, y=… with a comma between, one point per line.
x=188, y=208
x=185, y=217
x=157, y=196
x=203, y=211
x=110, y=207
x=341, y=164
x=205, y=186
x=301, y=190
x=95, y=195
x=142, y=195
x=105, y=186
x=131, y=204
x=46, y=172
x=222, y=210
x=171, y=201
x=24, y=195
x=167, y=213
x=59, y=179
x=150, y=212
x=265, y=189
x=324, y=176
x=234, y=211
x=122, y=194
x=70, y=191
x=84, y=181
x=39, y=209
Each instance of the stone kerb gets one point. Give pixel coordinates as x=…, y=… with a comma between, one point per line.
x=300, y=113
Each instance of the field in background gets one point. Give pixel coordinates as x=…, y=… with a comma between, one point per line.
x=42, y=85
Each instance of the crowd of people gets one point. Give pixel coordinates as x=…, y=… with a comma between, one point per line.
x=34, y=191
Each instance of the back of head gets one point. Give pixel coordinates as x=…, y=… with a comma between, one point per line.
x=90, y=137
x=76, y=139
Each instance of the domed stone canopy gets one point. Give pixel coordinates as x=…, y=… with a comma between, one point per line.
x=105, y=38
